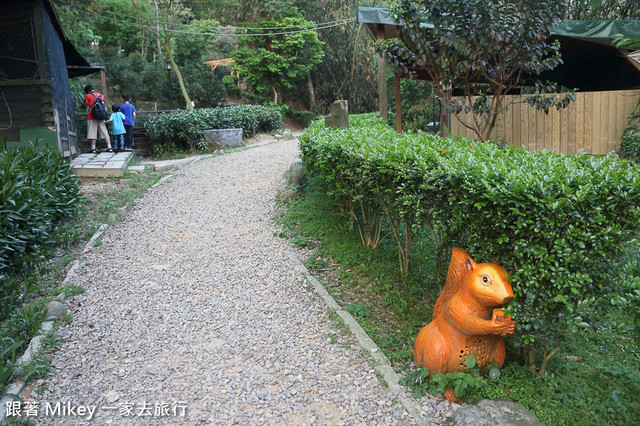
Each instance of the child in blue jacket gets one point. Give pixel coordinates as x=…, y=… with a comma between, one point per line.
x=117, y=118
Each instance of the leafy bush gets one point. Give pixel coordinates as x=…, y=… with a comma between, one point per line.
x=231, y=85
x=459, y=382
x=419, y=106
x=553, y=221
x=127, y=71
x=184, y=128
x=303, y=118
x=38, y=191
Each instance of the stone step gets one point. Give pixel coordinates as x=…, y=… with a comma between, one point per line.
x=103, y=164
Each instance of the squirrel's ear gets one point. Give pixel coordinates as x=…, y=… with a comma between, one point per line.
x=470, y=264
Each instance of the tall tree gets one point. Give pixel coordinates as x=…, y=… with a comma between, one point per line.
x=225, y=11
x=601, y=9
x=190, y=45
x=348, y=68
x=172, y=14
x=80, y=29
x=278, y=60
x=118, y=24
x=482, y=48
x=252, y=11
x=166, y=44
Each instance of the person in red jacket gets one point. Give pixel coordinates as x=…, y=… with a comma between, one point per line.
x=95, y=126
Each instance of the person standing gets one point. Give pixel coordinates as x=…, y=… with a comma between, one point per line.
x=95, y=126
x=117, y=119
x=129, y=112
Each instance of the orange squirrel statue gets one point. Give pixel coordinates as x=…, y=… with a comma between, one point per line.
x=466, y=319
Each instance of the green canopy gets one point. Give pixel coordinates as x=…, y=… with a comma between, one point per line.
x=375, y=15
x=591, y=62
x=601, y=31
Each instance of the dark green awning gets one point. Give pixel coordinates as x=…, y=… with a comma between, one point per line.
x=601, y=31
x=375, y=15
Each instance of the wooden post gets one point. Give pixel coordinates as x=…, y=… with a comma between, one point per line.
x=382, y=77
x=103, y=83
x=398, y=105
x=445, y=123
x=339, y=116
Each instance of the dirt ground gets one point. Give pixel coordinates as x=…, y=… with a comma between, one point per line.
x=91, y=187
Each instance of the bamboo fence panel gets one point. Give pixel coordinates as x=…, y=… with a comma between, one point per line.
x=594, y=122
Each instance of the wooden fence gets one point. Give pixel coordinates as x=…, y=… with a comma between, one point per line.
x=594, y=122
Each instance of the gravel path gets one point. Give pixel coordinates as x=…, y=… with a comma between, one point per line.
x=193, y=314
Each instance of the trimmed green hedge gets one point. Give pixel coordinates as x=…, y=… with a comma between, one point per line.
x=38, y=190
x=184, y=128
x=555, y=222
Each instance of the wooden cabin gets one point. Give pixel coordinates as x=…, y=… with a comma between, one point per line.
x=36, y=61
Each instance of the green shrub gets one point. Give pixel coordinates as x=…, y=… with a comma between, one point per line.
x=419, y=106
x=37, y=192
x=459, y=382
x=302, y=118
x=630, y=143
x=553, y=221
x=231, y=85
x=184, y=128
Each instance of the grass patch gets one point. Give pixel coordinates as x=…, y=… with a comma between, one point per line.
x=102, y=201
x=594, y=376
x=18, y=421
x=69, y=290
x=390, y=307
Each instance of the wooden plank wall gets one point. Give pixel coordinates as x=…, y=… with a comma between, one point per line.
x=594, y=122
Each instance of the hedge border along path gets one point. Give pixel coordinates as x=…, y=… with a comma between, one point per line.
x=555, y=222
x=192, y=298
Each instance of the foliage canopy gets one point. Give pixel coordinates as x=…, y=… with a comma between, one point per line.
x=478, y=48
x=279, y=60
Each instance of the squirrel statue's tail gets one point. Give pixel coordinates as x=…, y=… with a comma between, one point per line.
x=455, y=274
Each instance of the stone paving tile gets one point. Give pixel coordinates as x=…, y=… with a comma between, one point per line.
x=104, y=164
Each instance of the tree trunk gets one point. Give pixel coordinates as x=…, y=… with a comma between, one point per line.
x=545, y=361
x=531, y=361
x=180, y=81
x=167, y=49
x=312, y=93
x=275, y=93
x=143, y=44
x=155, y=3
